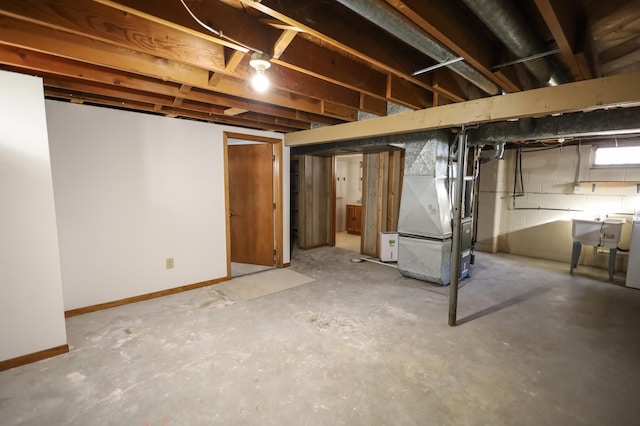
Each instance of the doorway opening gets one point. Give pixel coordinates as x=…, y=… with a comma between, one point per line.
x=348, y=202
x=326, y=205
x=253, y=172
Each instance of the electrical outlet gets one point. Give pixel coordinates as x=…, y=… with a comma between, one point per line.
x=169, y=262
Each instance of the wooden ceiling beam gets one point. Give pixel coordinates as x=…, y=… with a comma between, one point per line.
x=448, y=26
x=561, y=17
x=313, y=104
x=145, y=9
x=235, y=121
x=373, y=105
x=34, y=37
x=247, y=116
x=230, y=21
x=615, y=91
x=107, y=91
x=446, y=83
x=282, y=43
x=385, y=54
x=98, y=22
x=65, y=45
x=234, y=111
x=56, y=93
x=307, y=85
x=509, y=74
x=314, y=60
x=172, y=112
x=146, y=37
x=404, y=92
x=300, y=55
x=39, y=63
x=177, y=102
x=232, y=62
x=297, y=83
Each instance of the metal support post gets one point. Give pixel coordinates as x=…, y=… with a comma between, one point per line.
x=457, y=227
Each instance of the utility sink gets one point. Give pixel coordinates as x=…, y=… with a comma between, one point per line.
x=600, y=233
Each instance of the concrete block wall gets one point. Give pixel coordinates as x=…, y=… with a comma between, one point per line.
x=538, y=223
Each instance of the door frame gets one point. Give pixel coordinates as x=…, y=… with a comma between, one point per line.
x=277, y=194
x=383, y=192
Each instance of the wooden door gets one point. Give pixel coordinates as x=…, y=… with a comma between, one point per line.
x=251, y=203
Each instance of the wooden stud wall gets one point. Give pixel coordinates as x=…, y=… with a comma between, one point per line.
x=370, y=190
x=382, y=186
x=315, y=186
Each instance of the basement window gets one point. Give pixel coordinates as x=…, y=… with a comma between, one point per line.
x=617, y=156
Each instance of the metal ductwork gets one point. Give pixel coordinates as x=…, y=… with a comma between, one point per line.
x=506, y=21
x=394, y=23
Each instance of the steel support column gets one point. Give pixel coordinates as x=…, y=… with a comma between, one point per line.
x=457, y=227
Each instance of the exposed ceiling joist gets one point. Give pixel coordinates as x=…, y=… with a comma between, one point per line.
x=445, y=24
x=333, y=61
x=620, y=90
x=563, y=19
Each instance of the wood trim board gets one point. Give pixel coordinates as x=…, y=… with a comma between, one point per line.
x=278, y=195
x=93, y=308
x=33, y=357
x=599, y=93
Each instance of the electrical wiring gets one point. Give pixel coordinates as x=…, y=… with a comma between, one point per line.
x=516, y=172
x=547, y=149
x=216, y=32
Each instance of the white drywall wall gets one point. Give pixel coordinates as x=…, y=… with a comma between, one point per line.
x=354, y=188
x=132, y=190
x=31, y=308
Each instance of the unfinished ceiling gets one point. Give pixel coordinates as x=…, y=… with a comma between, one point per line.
x=333, y=61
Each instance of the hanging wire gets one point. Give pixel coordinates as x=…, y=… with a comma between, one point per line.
x=520, y=167
x=216, y=32
x=518, y=171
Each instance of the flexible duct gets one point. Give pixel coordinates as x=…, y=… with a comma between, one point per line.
x=394, y=23
x=504, y=19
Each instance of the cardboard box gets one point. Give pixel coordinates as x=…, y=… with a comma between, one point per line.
x=389, y=246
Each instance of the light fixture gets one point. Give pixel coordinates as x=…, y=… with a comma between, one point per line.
x=260, y=61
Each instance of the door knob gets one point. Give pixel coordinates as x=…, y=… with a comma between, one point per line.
x=231, y=213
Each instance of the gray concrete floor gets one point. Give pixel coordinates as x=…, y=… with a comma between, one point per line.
x=360, y=345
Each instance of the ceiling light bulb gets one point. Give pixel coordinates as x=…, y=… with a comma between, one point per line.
x=260, y=82
x=260, y=62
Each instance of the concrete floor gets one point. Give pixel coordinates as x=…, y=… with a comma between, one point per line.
x=360, y=345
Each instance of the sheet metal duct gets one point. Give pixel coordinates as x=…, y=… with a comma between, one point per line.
x=424, y=223
x=424, y=259
x=601, y=123
x=504, y=19
x=394, y=23
x=425, y=208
